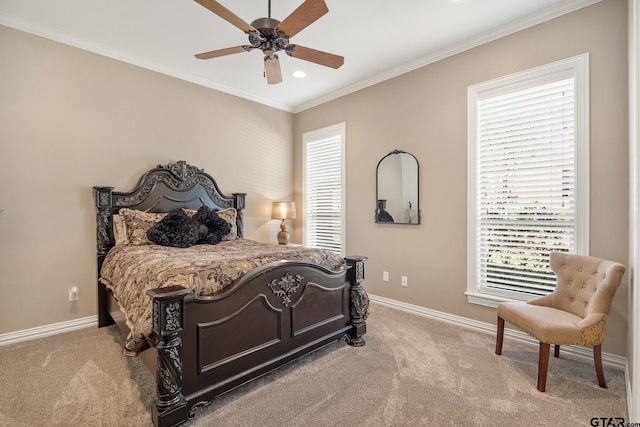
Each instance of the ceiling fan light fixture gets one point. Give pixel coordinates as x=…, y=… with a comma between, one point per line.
x=272, y=69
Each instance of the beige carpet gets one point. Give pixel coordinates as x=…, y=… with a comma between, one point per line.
x=413, y=371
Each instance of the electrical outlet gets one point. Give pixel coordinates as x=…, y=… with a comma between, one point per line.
x=404, y=281
x=385, y=276
x=73, y=294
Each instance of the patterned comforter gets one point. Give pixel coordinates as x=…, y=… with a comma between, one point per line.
x=129, y=271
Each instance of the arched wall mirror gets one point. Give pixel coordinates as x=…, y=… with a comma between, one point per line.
x=397, y=189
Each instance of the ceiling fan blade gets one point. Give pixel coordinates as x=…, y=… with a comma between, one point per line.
x=226, y=14
x=223, y=52
x=307, y=13
x=272, y=69
x=317, y=56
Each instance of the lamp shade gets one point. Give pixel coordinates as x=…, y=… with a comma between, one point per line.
x=283, y=210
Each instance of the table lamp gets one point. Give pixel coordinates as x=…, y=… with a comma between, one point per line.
x=283, y=210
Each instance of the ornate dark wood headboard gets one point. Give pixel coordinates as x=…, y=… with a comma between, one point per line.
x=176, y=185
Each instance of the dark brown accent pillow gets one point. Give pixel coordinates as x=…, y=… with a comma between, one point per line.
x=178, y=230
x=218, y=227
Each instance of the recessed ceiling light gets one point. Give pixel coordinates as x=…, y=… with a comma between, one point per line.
x=299, y=74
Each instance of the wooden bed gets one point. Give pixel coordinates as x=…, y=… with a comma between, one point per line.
x=208, y=345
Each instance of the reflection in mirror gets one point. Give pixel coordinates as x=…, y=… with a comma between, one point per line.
x=397, y=189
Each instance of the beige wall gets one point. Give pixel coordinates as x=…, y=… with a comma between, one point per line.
x=70, y=120
x=424, y=112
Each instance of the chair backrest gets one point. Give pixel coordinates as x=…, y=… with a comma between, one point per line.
x=585, y=284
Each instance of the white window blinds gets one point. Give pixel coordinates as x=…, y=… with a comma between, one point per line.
x=528, y=179
x=525, y=185
x=323, y=189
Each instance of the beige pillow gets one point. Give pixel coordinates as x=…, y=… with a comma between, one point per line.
x=230, y=215
x=138, y=223
x=120, y=230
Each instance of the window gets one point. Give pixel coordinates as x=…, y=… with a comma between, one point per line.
x=528, y=179
x=323, y=188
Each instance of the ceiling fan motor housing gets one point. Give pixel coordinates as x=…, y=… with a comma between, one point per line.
x=267, y=37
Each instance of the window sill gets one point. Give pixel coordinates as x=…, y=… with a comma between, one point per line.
x=489, y=300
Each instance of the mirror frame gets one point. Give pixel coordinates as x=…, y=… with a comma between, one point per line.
x=381, y=204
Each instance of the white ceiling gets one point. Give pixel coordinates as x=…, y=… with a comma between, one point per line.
x=379, y=39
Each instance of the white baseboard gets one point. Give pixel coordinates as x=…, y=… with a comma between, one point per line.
x=46, y=330
x=611, y=360
x=583, y=353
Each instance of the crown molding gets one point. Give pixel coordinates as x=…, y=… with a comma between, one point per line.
x=58, y=36
x=513, y=27
x=495, y=34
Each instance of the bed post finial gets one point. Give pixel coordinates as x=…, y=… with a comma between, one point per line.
x=359, y=300
x=168, y=320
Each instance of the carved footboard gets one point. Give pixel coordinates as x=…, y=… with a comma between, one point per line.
x=275, y=314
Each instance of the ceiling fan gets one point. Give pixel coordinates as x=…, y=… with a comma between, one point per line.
x=270, y=36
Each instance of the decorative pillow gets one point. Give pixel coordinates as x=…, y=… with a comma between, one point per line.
x=120, y=230
x=218, y=227
x=138, y=224
x=178, y=230
x=230, y=215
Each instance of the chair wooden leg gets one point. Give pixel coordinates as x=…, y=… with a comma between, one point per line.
x=556, y=350
x=543, y=366
x=597, y=359
x=499, y=335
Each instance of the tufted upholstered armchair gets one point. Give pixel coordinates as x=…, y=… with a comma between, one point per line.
x=575, y=313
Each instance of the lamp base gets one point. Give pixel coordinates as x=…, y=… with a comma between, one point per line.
x=283, y=237
x=283, y=234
